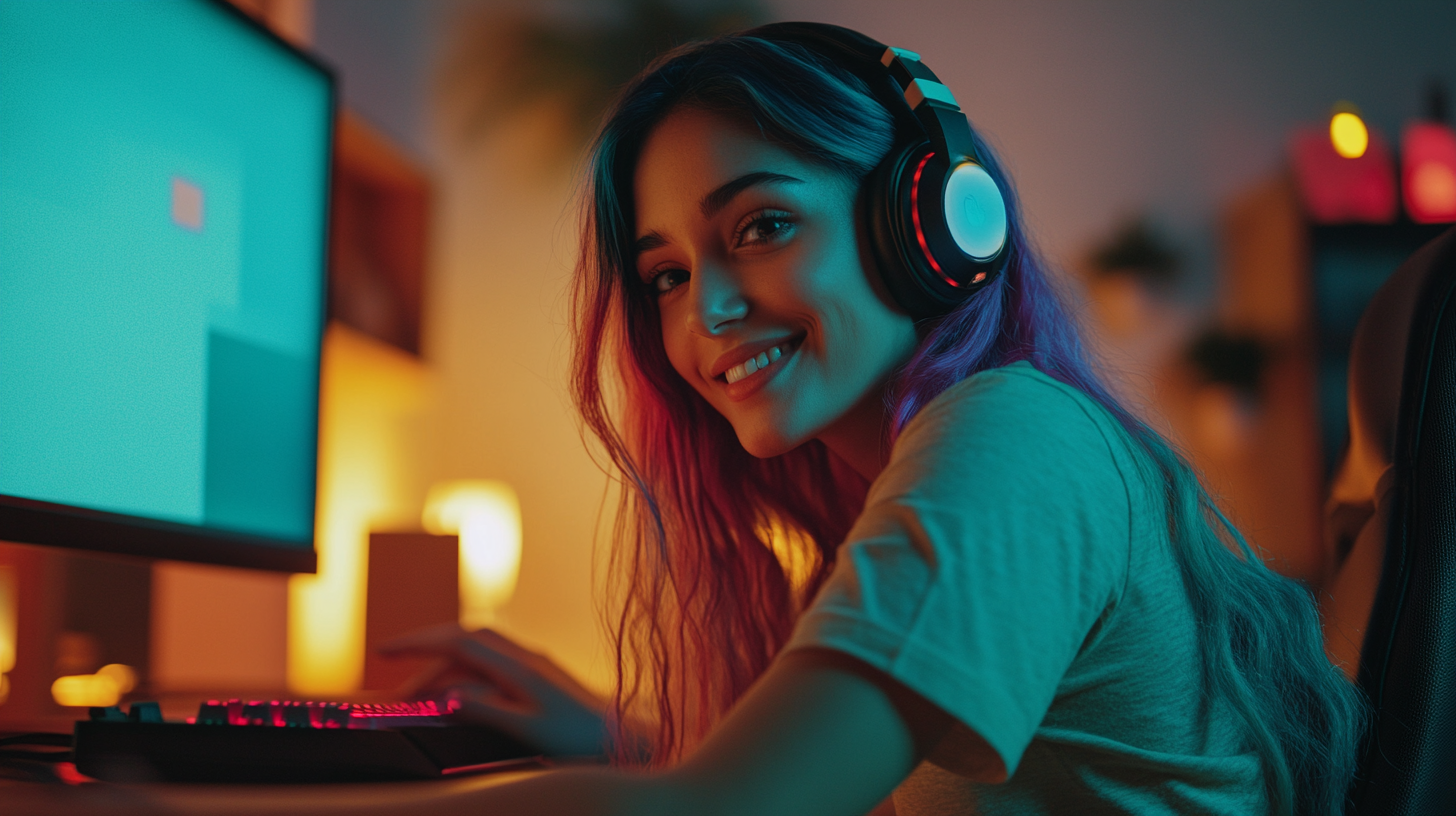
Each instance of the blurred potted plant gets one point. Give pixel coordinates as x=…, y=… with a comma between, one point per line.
x=503, y=64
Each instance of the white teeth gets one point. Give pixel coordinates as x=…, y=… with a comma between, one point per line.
x=752, y=364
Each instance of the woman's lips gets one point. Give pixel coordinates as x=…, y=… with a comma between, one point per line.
x=743, y=352
x=753, y=364
x=746, y=378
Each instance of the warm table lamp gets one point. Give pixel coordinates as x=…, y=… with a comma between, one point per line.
x=487, y=517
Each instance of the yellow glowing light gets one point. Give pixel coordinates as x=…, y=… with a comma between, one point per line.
x=83, y=690
x=124, y=676
x=487, y=517
x=1348, y=134
x=9, y=599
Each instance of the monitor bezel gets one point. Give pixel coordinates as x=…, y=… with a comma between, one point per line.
x=29, y=521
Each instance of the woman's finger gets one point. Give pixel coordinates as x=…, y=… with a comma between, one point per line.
x=483, y=647
x=454, y=662
x=521, y=673
x=481, y=653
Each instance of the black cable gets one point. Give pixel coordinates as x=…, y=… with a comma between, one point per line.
x=8, y=754
x=38, y=738
x=34, y=766
x=28, y=771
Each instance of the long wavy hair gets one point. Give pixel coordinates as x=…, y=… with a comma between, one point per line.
x=716, y=552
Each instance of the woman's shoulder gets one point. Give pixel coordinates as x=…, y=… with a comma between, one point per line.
x=1011, y=402
x=1008, y=426
x=1024, y=442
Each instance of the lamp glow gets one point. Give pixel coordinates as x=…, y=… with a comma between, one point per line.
x=1349, y=135
x=486, y=515
x=124, y=676
x=85, y=690
x=8, y=623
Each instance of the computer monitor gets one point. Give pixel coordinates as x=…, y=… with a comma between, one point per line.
x=163, y=213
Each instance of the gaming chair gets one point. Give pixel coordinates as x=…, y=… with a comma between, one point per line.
x=1392, y=519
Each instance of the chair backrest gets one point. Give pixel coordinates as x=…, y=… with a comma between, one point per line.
x=1404, y=454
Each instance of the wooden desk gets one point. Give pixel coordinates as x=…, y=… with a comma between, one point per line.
x=104, y=799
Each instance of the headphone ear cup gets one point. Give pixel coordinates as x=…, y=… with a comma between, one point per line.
x=890, y=227
x=880, y=216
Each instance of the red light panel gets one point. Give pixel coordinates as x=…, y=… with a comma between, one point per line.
x=915, y=217
x=1428, y=172
x=1337, y=190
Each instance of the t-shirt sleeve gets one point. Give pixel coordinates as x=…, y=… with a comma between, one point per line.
x=988, y=551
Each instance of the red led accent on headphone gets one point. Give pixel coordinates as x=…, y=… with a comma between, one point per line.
x=915, y=216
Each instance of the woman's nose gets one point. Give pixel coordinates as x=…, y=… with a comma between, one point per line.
x=718, y=301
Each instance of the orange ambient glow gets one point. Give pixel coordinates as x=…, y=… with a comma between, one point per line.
x=369, y=391
x=9, y=600
x=795, y=552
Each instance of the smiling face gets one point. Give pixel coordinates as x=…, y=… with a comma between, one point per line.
x=768, y=309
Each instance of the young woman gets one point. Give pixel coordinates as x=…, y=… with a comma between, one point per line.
x=870, y=545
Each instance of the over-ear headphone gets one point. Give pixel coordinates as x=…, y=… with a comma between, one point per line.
x=935, y=219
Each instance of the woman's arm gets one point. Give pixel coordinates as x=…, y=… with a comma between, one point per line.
x=821, y=734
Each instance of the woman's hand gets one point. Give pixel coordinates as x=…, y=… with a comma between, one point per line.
x=500, y=684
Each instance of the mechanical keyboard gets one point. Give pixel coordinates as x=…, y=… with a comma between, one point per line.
x=289, y=741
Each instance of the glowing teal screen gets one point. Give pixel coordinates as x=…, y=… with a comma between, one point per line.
x=163, y=178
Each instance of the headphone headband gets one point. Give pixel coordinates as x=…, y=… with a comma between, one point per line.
x=915, y=86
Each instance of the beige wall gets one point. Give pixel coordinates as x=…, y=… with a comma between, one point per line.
x=496, y=338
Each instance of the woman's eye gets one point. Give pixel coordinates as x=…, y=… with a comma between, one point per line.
x=765, y=227
x=668, y=280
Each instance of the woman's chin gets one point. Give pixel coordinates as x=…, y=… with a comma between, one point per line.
x=766, y=443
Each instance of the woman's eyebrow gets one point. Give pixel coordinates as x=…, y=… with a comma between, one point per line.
x=719, y=198
x=650, y=241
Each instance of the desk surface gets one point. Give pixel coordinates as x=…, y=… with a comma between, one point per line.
x=105, y=799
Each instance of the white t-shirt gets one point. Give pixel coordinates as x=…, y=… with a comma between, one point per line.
x=1013, y=566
